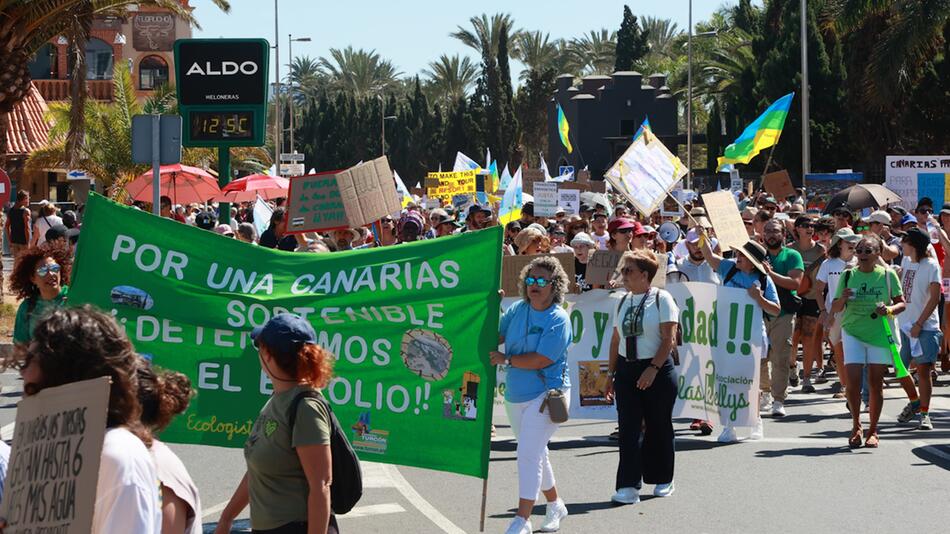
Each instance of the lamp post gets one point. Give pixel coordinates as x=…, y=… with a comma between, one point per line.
x=382, y=121
x=290, y=81
x=689, y=95
x=806, y=148
x=277, y=126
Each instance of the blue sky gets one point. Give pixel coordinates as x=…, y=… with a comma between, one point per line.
x=411, y=33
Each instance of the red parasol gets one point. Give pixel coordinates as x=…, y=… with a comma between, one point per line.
x=247, y=189
x=181, y=183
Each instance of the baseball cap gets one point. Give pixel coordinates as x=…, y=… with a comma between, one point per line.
x=206, y=220
x=844, y=208
x=845, y=234
x=898, y=210
x=622, y=224
x=908, y=219
x=583, y=238
x=56, y=231
x=586, y=207
x=803, y=220
x=478, y=209
x=881, y=216
x=560, y=210
x=528, y=209
x=692, y=236
x=444, y=218
x=224, y=229
x=284, y=333
x=649, y=229
x=749, y=213
x=796, y=209
x=945, y=210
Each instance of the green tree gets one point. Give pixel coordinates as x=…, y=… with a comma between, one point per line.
x=538, y=53
x=358, y=73
x=450, y=78
x=485, y=33
x=632, y=42
x=594, y=52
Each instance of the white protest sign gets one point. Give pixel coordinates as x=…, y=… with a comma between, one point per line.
x=262, y=213
x=735, y=181
x=718, y=375
x=570, y=200
x=645, y=173
x=915, y=177
x=545, y=199
x=54, y=465
x=723, y=212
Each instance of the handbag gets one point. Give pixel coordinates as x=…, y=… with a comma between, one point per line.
x=555, y=400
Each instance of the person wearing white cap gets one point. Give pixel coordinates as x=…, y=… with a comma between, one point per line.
x=694, y=265
x=879, y=222
x=583, y=246
x=840, y=257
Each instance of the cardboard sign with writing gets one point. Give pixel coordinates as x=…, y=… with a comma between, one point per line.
x=528, y=179
x=601, y=267
x=723, y=212
x=352, y=198
x=511, y=267
x=54, y=465
x=570, y=200
x=778, y=184
x=545, y=199
x=445, y=185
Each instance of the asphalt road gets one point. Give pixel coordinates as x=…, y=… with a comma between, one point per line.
x=802, y=478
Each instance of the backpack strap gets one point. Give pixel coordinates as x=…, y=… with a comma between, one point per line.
x=732, y=273
x=295, y=403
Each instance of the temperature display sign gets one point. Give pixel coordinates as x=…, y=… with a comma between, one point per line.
x=222, y=91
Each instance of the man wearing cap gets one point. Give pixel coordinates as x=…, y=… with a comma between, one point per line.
x=477, y=218
x=747, y=271
x=694, y=264
x=879, y=222
x=583, y=247
x=748, y=219
x=897, y=213
x=785, y=267
x=224, y=229
x=445, y=225
x=600, y=234
x=587, y=211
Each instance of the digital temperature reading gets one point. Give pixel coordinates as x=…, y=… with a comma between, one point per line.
x=211, y=126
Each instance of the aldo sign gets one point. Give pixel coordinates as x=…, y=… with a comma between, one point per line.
x=222, y=90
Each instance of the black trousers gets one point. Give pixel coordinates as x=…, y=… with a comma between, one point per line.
x=299, y=527
x=651, y=461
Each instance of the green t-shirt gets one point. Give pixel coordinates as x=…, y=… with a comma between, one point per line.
x=784, y=262
x=276, y=481
x=869, y=291
x=26, y=319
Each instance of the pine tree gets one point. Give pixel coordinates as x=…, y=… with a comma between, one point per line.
x=632, y=43
x=508, y=125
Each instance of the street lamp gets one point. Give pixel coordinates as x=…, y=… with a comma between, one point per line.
x=383, y=136
x=290, y=81
x=689, y=95
x=277, y=131
x=806, y=147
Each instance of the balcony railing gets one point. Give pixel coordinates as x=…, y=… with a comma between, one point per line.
x=53, y=90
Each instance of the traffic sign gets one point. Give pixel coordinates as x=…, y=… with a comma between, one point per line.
x=291, y=169
x=77, y=174
x=222, y=91
x=294, y=157
x=6, y=187
x=565, y=169
x=169, y=146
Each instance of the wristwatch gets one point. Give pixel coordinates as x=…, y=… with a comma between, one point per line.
x=655, y=366
x=507, y=360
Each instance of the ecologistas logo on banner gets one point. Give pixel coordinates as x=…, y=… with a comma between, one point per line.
x=410, y=326
x=718, y=370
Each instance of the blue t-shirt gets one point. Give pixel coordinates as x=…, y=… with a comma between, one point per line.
x=546, y=332
x=742, y=280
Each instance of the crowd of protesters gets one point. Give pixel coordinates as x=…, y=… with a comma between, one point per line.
x=824, y=283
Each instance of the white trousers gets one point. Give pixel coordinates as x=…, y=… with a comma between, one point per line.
x=533, y=430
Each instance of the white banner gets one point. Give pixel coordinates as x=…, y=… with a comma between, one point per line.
x=718, y=375
x=915, y=177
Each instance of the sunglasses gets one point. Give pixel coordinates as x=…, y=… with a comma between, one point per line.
x=861, y=228
x=867, y=250
x=540, y=282
x=627, y=270
x=48, y=268
x=925, y=211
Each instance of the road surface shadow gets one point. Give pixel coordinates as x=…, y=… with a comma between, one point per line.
x=811, y=452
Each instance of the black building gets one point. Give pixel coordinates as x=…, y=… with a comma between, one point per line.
x=604, y=113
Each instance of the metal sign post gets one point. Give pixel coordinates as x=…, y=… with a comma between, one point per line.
x=156, y=139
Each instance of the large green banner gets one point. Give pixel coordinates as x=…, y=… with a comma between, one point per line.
x=410, y=325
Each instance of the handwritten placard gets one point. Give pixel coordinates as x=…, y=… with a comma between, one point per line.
x=601, y=266
x=545, y=199
x=54, y=465
x=778, y=184
x=724, y=214
x=570, y=200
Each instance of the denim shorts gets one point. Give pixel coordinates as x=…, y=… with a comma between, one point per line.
x=930, y=341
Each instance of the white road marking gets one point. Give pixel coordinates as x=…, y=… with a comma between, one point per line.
x=372, y=509
x=417, y=501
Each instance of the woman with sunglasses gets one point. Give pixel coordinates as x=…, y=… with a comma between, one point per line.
x=868, y=295
x=840, y=258
x=40, y=278
x=642, y=377
x=808, y=330
x=536, y=332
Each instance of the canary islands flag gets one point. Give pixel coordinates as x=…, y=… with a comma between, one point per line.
x=511, y=203
x=564, y=129
x=643, y=127
x=761, y=134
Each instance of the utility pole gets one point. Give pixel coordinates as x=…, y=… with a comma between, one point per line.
x=806, y=121
x=689, y=100
x=277, y=121
x=290, y=81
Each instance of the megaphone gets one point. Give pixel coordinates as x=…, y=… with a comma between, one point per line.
x=669, y=232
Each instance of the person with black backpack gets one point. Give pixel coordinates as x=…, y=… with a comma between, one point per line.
x=300, y=468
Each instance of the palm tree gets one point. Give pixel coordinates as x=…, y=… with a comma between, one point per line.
x=306, y=79
x=486, y=33
x=26, y=25
x=661, y=35
x=594, y=53
x=358, y=73
x=451, y=77
x=538, y=53
x=913, y=31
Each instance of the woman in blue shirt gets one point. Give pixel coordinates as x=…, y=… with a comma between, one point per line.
x=536, y=332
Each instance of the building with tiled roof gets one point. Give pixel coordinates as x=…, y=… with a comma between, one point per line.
x=28, y=131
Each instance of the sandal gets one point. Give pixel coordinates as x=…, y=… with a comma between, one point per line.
x=872, y=441
x=855, y=441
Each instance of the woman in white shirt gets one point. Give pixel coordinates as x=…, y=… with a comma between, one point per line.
x=840, y=257
x=76, y=344
x=46, y=220
x=921, y=338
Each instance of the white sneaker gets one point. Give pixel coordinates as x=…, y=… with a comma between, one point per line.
x=765, y=402
x=626, y=496
x=758, y=430
x=665, y=490
x=519, y=525
x=778, y=409
x=552, y=519
x=728, y=435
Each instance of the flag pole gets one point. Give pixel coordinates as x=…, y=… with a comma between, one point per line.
x=481, y=524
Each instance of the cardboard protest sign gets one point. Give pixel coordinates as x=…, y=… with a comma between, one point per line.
x=512, y=265
x=448, y=184
x=735, y=181
x=645, y=173
x=570, y=200
x=529, y=177
x=719, y=364
x=670, y=207
x=409, y=327
x=723, y=212
x=545, y=199
x=601, y=266
x=54, y=462
x=352, y=198
x=778, y=184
